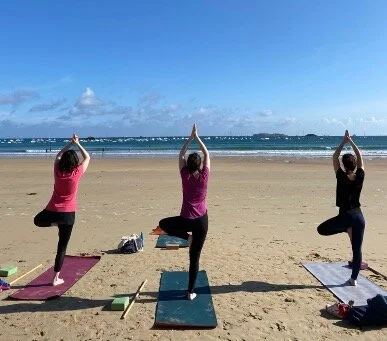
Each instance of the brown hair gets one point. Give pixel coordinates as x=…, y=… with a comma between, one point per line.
x=68, y=161
x=349, y=162
x=193, y=162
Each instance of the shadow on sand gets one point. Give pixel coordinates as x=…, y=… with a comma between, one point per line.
x=64, y=303
x=250, y=286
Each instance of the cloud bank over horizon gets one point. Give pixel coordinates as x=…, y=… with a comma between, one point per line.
x=154, y=115
x=151, y=115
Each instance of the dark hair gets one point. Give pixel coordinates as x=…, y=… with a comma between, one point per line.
x=349, y=162
x=193, y=162
x=68, y=161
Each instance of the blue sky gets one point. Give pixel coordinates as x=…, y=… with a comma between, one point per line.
x=130, y=68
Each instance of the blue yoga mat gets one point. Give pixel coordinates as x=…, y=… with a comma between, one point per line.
x=334, y=275
x=175, y=310
x=163, y=240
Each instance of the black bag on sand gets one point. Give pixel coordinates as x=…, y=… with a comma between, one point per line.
x=372, y=314
x=131, y=244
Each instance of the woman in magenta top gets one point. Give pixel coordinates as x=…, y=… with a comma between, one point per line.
x=60, y=211
x=193, y=216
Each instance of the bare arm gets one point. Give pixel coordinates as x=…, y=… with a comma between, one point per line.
x=203, y=148
x=85, y=154
x=65, y=148
x=336, y=154
x=360, y=163
x=183, y=150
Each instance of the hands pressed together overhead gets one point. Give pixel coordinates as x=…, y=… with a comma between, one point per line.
x=194, y=133
x=75, y=139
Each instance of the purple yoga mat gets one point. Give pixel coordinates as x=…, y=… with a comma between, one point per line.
x=74, y=267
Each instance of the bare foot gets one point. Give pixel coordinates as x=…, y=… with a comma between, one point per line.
x=157, y=231
x=191, y=296
x=57, y=281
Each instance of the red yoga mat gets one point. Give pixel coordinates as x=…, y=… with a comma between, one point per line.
x=74, y=268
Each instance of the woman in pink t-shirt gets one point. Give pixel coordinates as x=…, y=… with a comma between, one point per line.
x=60, y=211
x=193, y=216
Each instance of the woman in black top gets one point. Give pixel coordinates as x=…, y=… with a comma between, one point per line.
x=350, y=218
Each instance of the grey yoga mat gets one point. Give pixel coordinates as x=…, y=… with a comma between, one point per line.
x=334, y=276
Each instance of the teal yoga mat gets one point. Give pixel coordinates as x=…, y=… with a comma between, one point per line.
x=173, y=308
x=334, y=275
x=165, y=239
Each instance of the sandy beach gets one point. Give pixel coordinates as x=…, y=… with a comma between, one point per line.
x=263, y=216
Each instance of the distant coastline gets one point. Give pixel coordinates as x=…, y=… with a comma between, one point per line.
x=277, y=135
x=269, y=135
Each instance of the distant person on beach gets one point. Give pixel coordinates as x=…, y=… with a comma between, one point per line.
x=350, y=218
x=60, y=211
x=193, y=216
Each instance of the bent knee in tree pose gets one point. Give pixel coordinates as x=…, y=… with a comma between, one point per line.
x=350, y=218
x=60, y=211
x=193, y=216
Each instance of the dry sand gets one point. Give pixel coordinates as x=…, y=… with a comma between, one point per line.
x=263, y=217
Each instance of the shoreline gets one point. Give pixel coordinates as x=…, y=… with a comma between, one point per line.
x=214, y=155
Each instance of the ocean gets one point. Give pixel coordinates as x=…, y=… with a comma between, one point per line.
x=132, y=147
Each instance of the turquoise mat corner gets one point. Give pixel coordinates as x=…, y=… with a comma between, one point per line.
x=166, y=239
x=175, y=310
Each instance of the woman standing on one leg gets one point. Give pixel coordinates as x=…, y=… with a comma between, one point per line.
x=60, y=211
x=350, y=218
x=193, y=216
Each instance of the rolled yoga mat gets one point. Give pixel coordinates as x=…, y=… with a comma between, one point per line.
x=334, y=275
x=74, y=268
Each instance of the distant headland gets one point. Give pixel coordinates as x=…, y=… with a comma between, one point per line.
x=276, y=135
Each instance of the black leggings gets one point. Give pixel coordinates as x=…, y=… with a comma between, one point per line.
x=178, y=227
x=353, y=218
x=45, y=219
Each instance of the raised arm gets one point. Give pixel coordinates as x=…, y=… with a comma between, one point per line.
x=183, y=150
x=336, y=154
x=65, y=148
x=359, y=158
x=85, y=154
x=203, y=148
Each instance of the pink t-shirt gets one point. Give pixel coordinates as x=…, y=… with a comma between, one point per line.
x=64, y=196
x=194, y=193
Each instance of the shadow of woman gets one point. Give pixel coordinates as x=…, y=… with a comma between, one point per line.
x=64, y=303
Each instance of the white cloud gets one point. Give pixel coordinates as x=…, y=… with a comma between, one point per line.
x=88, y=105
x=47, y=106
x=334, y=121
x=372, y=119
x=265, y=113
x=17, y=97
x=153, y=115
